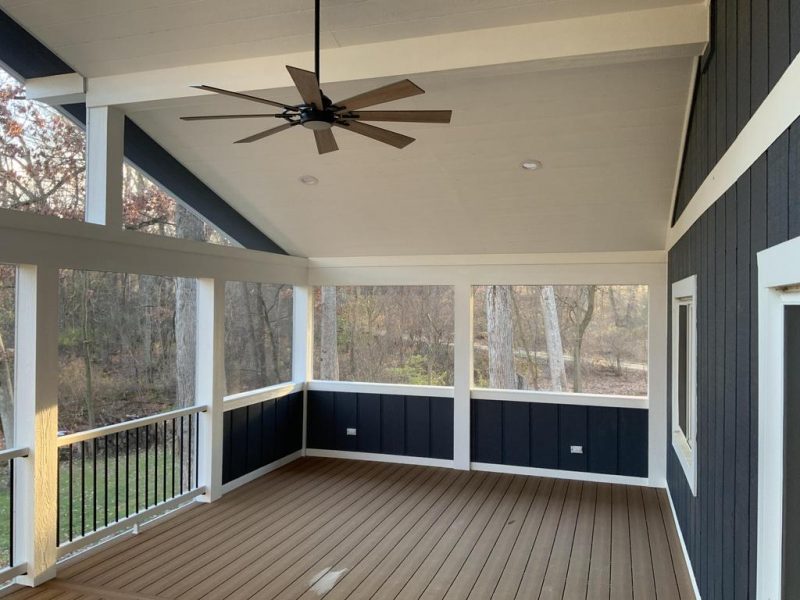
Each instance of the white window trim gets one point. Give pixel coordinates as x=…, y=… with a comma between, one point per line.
x=778, y=269
x=684, y=292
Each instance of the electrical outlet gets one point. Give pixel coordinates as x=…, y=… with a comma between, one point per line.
x=576, y=449
x=351, y=431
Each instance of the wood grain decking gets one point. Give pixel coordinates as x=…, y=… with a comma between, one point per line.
x=350, y=529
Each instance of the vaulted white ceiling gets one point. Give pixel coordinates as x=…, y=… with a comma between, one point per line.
x=607, y=125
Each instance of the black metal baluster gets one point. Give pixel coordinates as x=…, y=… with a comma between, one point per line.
x=58, y=499
x=189, y=457
x=183, y=427
x=127, y=473
x=137, y=469
x=11, y=513
x=83, y=488
x=116, y=476
x=105, y=480
x=70, y=492
x=94, y=484
x=197, y=450
x=173, y=457
x=155, y=464
x=165, y=460
x=146, y=466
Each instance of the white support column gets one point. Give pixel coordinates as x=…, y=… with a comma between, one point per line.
x=36, y=423
x=303, y=345
x=462, y=355
x=657, y=380
x=105, y=127
x=210, y=383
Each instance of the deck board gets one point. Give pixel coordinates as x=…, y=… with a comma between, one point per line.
x=336, y=529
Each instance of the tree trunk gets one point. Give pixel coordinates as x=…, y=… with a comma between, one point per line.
x=502, y=373
x=577, y=386
x=329, y=353
x=190, y=227
x=6, y=396
x=529, y=347
x=146, y=283
x=552, y=334
x=87, y=353
x=271, y=334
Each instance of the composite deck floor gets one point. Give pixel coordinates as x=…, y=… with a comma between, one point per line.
x=351, y=529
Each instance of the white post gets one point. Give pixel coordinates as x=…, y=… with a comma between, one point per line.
x=36, y=423
x=210, y=383
x=462, y=355
x=657, y=380
x=105, y=128
x=302, y=344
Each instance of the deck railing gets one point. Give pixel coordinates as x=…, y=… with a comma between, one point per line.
x=7, y=459
x=108, y=475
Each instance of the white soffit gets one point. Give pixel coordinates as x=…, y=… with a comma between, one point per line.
x=607, y=135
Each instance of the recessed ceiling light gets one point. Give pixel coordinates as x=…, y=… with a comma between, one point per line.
x=531, y=165
x=308, y=180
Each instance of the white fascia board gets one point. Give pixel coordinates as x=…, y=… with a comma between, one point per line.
x=635, y=35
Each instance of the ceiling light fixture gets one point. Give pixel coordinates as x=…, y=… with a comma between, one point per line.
x=531, y=165
x=308, y=180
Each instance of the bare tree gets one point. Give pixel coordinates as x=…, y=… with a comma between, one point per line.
x=581, y=311
x=552, y=330
x=6, y=393
x=191, y=227
x=329, y=352
x=502, y=373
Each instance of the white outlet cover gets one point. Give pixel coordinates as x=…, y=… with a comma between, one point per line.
x=351, y=431
x=576, y=449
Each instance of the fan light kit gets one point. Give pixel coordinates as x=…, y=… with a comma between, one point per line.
x=320, y=115
x=531, y=165
x=308, y=179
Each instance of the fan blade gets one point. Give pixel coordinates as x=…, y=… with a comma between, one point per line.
x=387, y=93
x=397, y=140
x=241, y=96
x=325, y=141
x=263, y=134
x=308, y=86
x=403, y=116
x=217, y=117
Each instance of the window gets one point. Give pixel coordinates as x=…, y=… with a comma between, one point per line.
x=684, y=372
x=42, y=156
x=384, y=334
x=126, y=347
x=562, y=338
x=258, y=335
x=147, y=207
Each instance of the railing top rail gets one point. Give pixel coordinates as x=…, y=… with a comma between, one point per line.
x=82, y=436
x=10, y=453
x=279, y=390
x=547, y=397
x=398, y=389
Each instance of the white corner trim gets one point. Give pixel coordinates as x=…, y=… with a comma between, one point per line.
x=683, y=545
x=687, y=117
x=388, y=458
x=778, y=111
x=261, y=471
x=560, y=398
x=561, y=474
x=394, y=389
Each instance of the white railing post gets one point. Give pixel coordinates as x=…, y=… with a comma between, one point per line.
x=303, y=344
x=210, y=384
x=36, y=423
x=105, y=128
x=462, y=374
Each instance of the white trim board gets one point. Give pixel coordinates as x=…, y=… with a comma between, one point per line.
x=569, y=398
x=388, y=458
x=260, y=472
x=251, y=397
x=683, y=546
x=778, y=111
x=561, y=474
x=778, y=268
x=389, y=389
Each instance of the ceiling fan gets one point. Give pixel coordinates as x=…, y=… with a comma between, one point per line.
x=319, y=114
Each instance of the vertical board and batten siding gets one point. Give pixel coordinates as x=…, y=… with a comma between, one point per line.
x=753, y=43
x=385, y=424
x=532, y=434
x=256, y=435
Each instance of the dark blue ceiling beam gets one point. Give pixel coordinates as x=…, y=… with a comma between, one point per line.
x=27, y=57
